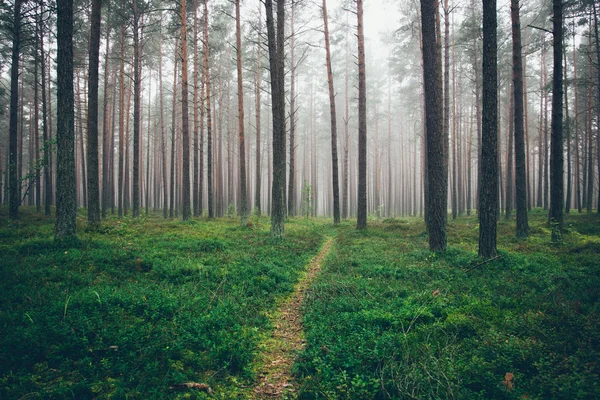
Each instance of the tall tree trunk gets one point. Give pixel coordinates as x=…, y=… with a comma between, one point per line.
x=569, y=197
x=345, y=172
x=173, y=134
x=148, y=145
x=80, y=118
x=362, y=121
x=47, y=145
x=66, y=207
x=163, y=144
x=522, y=229
x=488, y=192
x=508, y=202
x=14, y=191
x=257, y=202
x=186, y=212
x=242, y=144
x=196, y=177
x=106, y=133
x=121, y=124
x=137, y=90
x=334, y=155
x=577, y=154
x=437, y=167
x=93, y=176
x=597, y=40
x=557, y=155
x=209, y=152
x=447, y=104
x=36, y=108
x=292, y=176
x=276, y=41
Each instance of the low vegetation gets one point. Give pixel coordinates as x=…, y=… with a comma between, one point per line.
x=136, y=307
x=389, y=319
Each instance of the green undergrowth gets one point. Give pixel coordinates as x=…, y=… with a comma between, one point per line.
x=133, y=307
x=389, y=319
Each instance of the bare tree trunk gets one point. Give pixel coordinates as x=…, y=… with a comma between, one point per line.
x=121, y=123
x=437, y=167
x=186, y=212
x=80, y=107
x=14, y=191
x=257, y=202
x=598, y=94
x=92, y=118
x=137, y=90
x=36, y=108
x=508, y=202
x=362, y=122
x=46, y=146
x=334, y=155
x=292, y=177
x=211, y=210
x=521, y=180
x=569, y=197
x=577, y=155
x=163, y=144
x=557, y=155
x=173, y=133
x=276, y=61
x=148, y=145
x=106, y=134
x=345, y=172
x=66, y=207
x=242, y=145
x=488, y=191
x=196, y=182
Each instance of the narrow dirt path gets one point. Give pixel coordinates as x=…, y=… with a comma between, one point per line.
x=279, y=351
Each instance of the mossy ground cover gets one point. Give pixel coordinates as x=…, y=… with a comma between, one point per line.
x=389, y=319
x=136, y=306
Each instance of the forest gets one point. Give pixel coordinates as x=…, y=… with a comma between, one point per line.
x=303, y=199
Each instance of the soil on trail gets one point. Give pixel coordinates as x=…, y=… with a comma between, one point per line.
x=287, y=341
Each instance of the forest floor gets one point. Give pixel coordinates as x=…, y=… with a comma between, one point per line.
x=279, y=351
x=159, y=309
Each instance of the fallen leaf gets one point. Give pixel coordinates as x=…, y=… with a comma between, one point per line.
x=508, y=382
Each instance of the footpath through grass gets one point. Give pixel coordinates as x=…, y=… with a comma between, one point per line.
x=389, y=319
x=135, y=307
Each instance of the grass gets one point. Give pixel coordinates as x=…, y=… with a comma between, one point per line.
x=136, y=306
x=389, y=319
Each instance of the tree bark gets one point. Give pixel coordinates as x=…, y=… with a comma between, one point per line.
x=209, y=152
x=14, y=191
x=292, y=177
x=137, y=90
x=45, y=136
x=196, y=177
x=163, y=144
x=257, y=197
x=93, y=176
x=437, y=167
x=276, y=61
x=334, y=153
x=522, y=229
x=242, y=144
x=557, y=154
x=488, y=191
x=66, y=207
x=361, y=222
x=186, y=212
x=106, y=133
